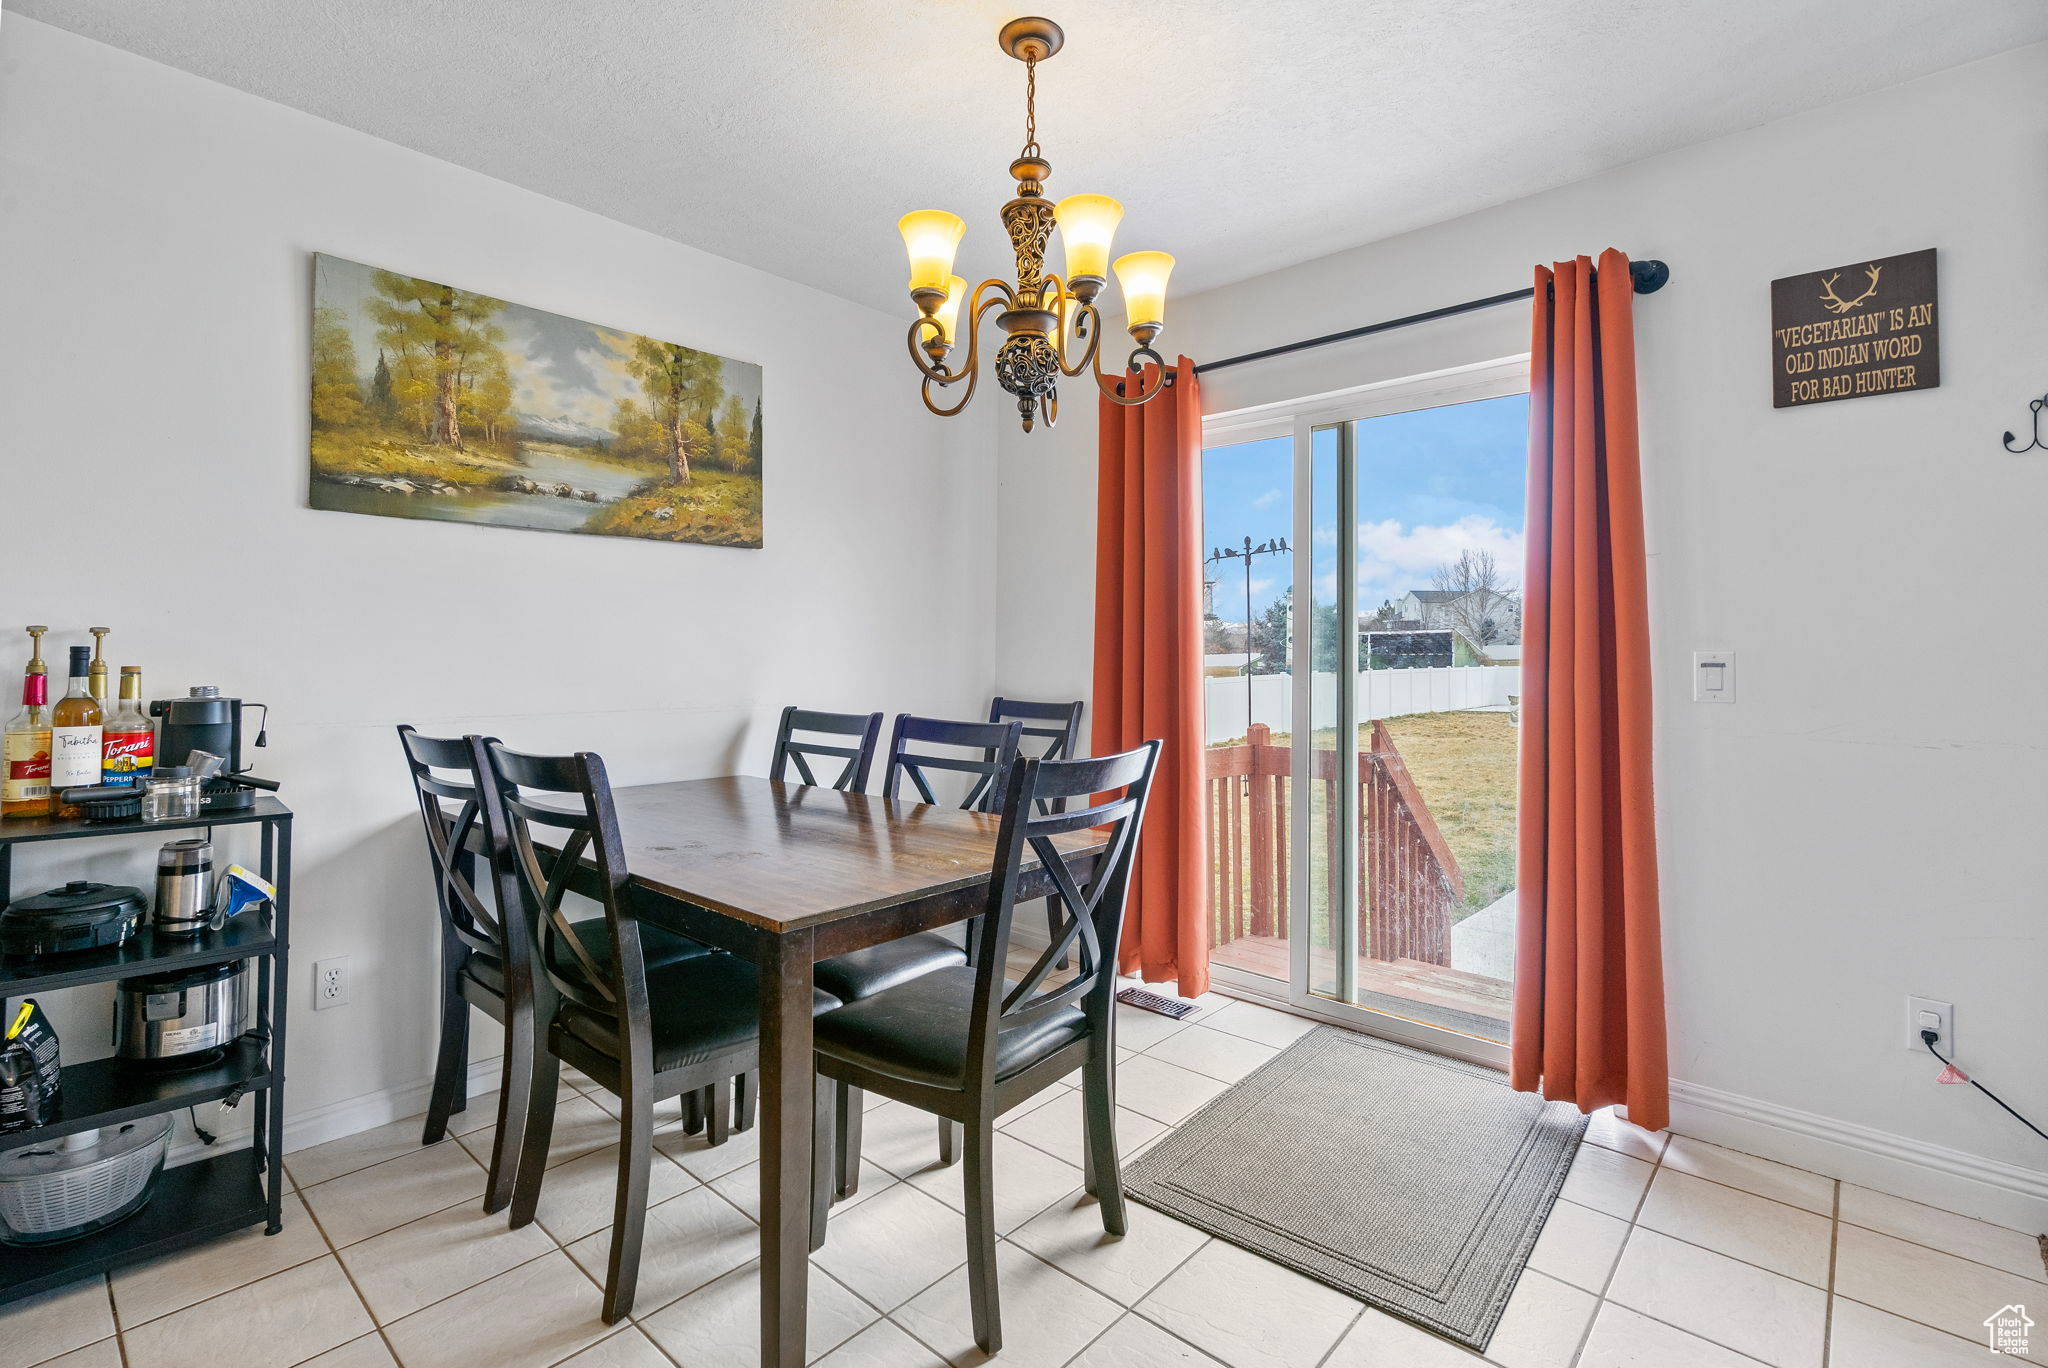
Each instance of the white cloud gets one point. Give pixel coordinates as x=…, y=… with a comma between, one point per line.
x=1269, y=498
x=1393, y=559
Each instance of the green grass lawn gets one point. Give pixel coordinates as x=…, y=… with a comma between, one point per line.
x=1464, y=767
x=1463, y=764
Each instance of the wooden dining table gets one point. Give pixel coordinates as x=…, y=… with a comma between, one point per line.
x=785, y=875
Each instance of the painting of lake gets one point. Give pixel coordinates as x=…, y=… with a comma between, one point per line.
x=431, y=401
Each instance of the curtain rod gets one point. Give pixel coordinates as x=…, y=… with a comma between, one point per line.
x=1648, y=276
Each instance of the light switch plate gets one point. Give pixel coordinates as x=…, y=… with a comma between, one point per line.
x=1713, y=676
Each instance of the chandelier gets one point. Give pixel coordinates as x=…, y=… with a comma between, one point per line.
x=1043, y=316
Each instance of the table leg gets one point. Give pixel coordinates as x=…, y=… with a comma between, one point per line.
x=787, y=1119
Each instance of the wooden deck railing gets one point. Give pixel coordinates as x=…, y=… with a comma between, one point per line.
x=1409, y=883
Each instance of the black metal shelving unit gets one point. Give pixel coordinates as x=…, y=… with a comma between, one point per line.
x=211, y=1196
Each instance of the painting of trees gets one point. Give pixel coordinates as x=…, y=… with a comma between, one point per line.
x=436, y=402
x=734, y=450
x=680, y=382
x=337, y=396
x=438, y=334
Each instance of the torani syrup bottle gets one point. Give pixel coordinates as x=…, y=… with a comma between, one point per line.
x=75, y=733
x=128, y=748
x=25, y=780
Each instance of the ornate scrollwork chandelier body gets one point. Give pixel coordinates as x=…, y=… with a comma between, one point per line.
x=1042, y=315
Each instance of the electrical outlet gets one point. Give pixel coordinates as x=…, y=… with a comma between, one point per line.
x=330, y=983
x=1927, y=1014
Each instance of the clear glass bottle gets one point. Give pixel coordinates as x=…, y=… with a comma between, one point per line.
x=128, y=741
x=25, y=787
x=75, y=734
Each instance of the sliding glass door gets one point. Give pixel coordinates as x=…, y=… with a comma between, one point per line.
x=1373, y=883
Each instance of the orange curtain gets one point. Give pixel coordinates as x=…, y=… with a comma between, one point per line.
x=1589, y=978
x=1148, y=663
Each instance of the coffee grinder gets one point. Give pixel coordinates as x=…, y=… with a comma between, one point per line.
x=203, y=722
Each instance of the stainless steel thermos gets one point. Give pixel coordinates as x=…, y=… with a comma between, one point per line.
x=184, y=883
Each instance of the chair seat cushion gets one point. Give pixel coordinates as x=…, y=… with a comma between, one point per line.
x=918, y=1031
x=661, y=947
x=698, y=1009
x=864, y=973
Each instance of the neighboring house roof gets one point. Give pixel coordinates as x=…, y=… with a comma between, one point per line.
x=1437, y=595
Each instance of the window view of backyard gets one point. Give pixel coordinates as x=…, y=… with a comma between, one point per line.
x=1436, y=516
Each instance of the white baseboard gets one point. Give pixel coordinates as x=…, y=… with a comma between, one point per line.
x=1988, y=1189
x=303, y=1129
x=318, y=1125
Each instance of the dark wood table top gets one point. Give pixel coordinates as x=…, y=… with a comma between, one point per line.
x=784, y=856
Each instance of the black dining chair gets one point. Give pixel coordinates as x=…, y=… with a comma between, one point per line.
x=1054, y=729
x=968, y=1044
x=476, y=946
x=644, y=1032
x=795, y=747
x=863, y=973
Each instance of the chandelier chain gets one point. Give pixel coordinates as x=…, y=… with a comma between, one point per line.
x=1031, y=148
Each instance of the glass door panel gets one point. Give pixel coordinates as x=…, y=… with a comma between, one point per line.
x=1248, y=701
x=1328, y=852
x=1405, y=788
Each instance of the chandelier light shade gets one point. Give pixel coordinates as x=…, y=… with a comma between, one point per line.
x=1087, y=223
x=1142, y=278
x=1042, y=317
x=932, y=238
x=948, y=313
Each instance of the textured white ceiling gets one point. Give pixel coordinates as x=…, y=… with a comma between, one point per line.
x=1241, y=135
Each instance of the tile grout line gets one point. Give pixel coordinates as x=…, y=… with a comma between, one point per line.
x=1827, y=1324
x=1344, y=1334
x=334, y=1253
x=1635, y=1226
x=1600, y=1299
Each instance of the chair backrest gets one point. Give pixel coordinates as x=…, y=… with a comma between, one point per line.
x=992, y=747
x=857, y=759
x=1088, y=911
x=1052, y=731
x=444, y=780
x=544, y=814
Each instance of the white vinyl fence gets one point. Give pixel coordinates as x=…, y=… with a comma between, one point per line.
x=1381, y=693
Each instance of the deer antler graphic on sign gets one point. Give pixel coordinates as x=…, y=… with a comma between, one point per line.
x=1834, y=303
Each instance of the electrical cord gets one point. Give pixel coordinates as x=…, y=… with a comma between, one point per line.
x=1928, y=1038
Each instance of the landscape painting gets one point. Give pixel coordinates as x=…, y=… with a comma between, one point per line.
x=431, y=401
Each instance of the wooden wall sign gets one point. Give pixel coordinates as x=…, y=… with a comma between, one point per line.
x=1867, y=328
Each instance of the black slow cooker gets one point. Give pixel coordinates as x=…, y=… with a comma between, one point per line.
x=79, y=916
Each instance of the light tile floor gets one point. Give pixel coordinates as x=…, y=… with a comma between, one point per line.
x=1665, y=1252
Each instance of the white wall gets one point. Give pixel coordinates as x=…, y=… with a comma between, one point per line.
x=1864, y=823
x=155, y=232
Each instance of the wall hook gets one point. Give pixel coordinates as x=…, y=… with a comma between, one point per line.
x=2035, y=409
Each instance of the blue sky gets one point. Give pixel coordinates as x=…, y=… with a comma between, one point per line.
x=1430, y=483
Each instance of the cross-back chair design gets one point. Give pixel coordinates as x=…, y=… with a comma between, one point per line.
x=1051, y=731
x=795, y=750
x=968, y=1044
x=474, y=955
x=1048, y=731
x=992, y=748
x=644, y=1032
